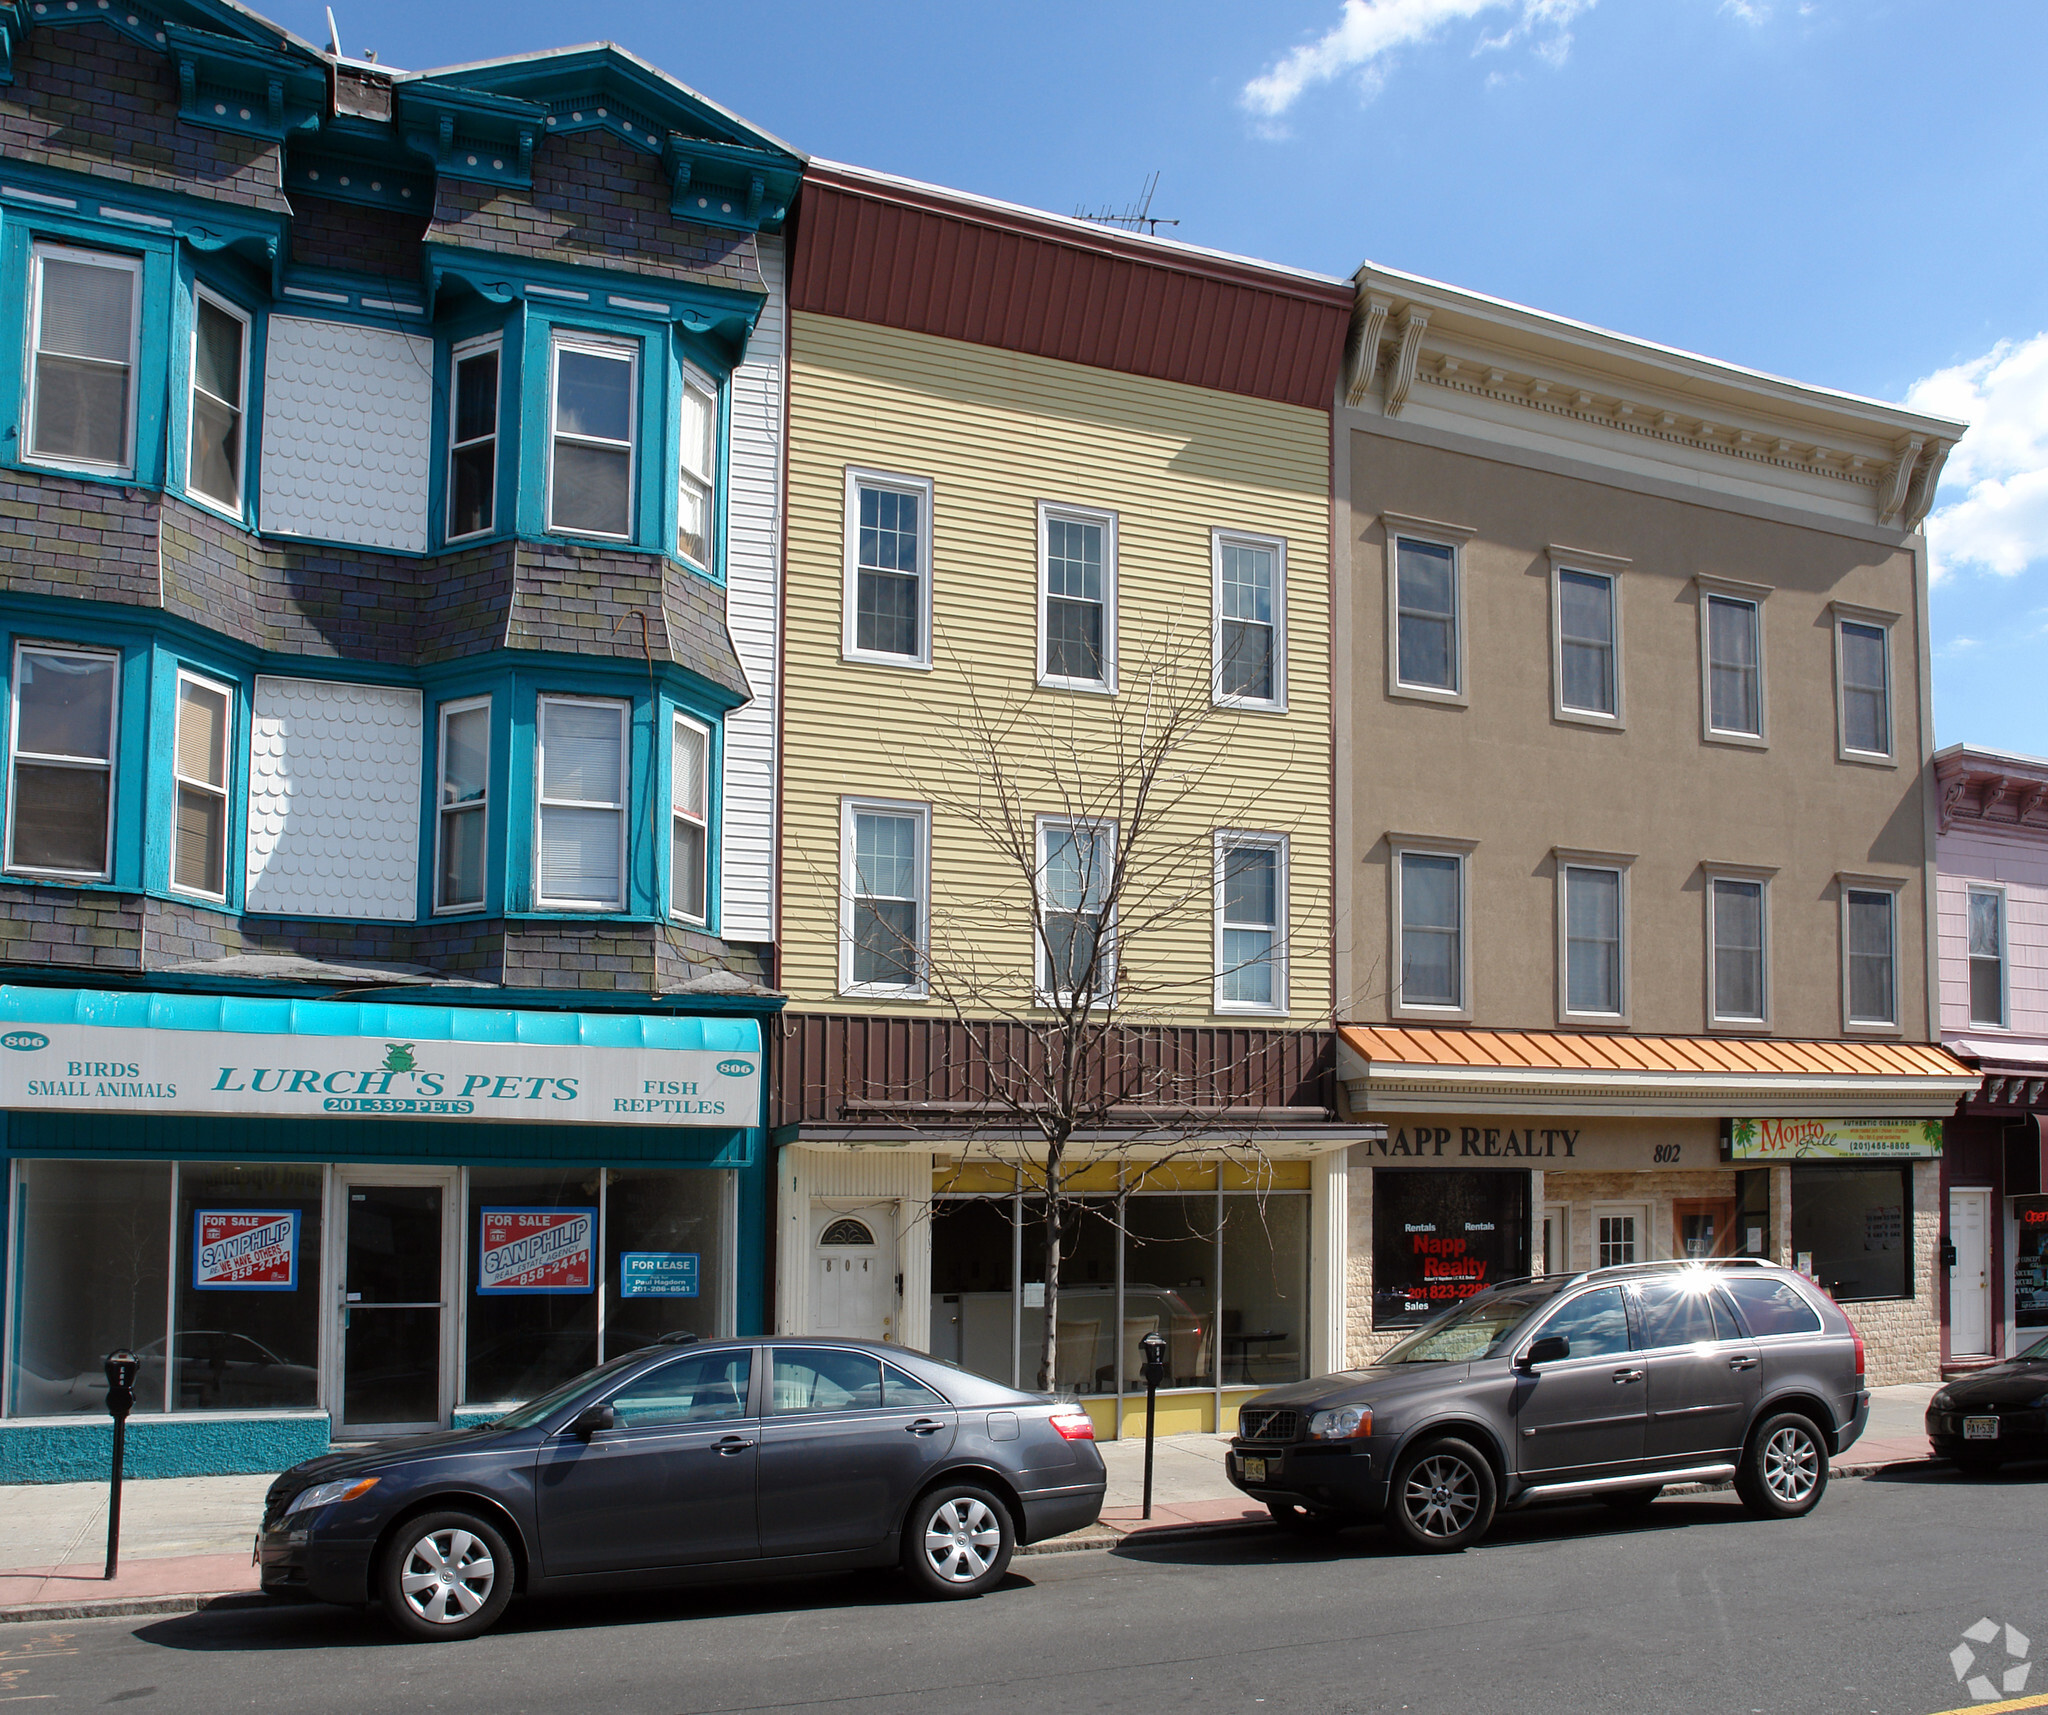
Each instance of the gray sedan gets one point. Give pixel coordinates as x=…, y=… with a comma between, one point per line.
x=686, y=1463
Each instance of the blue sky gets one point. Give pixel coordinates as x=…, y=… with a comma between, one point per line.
x=1850, y=192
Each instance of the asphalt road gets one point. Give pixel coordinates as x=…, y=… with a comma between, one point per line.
x=1692, y=1606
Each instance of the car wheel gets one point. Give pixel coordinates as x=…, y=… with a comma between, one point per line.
x=1784, y=1469
x=445, y=1576
x=1442, y=1496
x=958, y=1542
x=1632, y=1500
x=1309, y=1521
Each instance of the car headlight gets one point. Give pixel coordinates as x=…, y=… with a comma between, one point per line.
x=1941, y=1400
x=326, y=1494
x=1343, y=1423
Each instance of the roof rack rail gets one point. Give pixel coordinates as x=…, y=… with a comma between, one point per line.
x=1702, y=1262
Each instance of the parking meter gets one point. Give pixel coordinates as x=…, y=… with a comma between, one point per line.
x=1152, y=1351
x=121, y=1368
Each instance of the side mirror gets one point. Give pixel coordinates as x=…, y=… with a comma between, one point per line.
x=1547, y=1350
x=591, y=1419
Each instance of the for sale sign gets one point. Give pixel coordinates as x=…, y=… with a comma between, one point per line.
x=245, y=1250
x=537, y=1250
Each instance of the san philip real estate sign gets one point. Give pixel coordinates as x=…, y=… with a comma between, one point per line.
x=114, y=1068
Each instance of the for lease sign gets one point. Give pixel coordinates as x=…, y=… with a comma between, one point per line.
x=245, y=1250
x=537, y=1250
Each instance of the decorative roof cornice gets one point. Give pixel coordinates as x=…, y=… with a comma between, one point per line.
x=1993, y=790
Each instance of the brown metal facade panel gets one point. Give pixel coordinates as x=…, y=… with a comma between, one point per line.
x=905, y=258
x=837, y=1069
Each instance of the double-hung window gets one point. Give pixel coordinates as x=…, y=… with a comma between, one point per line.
x=1987, y=956
x=199, y=767
x=1076, y=911
x=220, y=379
x=689, y=854
x=1593, y=910
x=1076, y=599
x=886, y=870
x=87, y=320
x=1863, y=668
x=1250, y=636
x=1425, y=608
x=1429, y=914
x=1251, y=923
x=473, y=438
x=697, y=481
x=1732, y=660
x=1870, y=951
x=462, y=804
x=591, y=469
x=60, y=785
x=1737, y=935
x=581, y=860
x=888, y=600
x=1585, y=618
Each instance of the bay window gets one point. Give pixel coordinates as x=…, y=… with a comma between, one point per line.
x=60, y=782
x=86, y=320
x=473, y=439
x=591, y=462
x=462, y=811
x=220, y=365
x=581, y=767
x=689, y=819
x=698, y=478
x=199, y=766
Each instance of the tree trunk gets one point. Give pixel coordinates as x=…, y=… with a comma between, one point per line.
x=1049, y=1341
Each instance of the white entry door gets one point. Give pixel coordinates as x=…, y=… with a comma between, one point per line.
x=853, y=1272
x=1555, y=1251
x=1969, y=1283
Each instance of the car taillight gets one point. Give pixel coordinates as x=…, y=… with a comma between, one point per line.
x=1858, y=1338
x=1074, y=1425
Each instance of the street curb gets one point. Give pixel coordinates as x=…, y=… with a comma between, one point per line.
x=29, y=1613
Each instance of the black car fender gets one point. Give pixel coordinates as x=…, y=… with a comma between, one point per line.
x=1462, y=1428
x=1804, y=1400
x=462, y=1500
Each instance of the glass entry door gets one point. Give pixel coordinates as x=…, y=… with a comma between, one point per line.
x=394, y=1305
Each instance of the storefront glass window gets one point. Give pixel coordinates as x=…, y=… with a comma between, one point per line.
x=665, y=1257
x=2030, y=1266
x=972, y=1301
x=1085, y=1360
x=1170, y=1287
x=1856, y=1224
x=1265, y=1290
x=247, y=1336
x=92, y=1239
x=1438, y=1238
x=529, y=1331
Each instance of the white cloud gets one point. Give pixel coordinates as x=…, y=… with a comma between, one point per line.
x=1370, y=31
x=1992, y=508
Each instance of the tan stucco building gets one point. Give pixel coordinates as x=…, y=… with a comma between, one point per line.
x=1632, y=736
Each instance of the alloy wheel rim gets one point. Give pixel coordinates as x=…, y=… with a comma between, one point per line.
x=962, y=1539
x=1791, y=1465
x=448, y=1576
x=1442, y=1496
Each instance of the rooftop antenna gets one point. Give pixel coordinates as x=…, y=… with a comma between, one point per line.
x=333, y=35
x=1136, y=216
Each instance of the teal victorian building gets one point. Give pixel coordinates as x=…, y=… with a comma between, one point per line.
x=389, y=474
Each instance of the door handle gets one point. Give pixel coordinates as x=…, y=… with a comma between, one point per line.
x=731, y=1444
x=1622, y=1376
x=925, y=1426
x=1742, y=1363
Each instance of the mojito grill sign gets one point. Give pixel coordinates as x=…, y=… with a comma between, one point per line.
x=537, y=1250
x=84, y=1069
x=1832, y=1140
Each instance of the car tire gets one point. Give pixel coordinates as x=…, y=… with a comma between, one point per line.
x=1633, y=1500
x=958, y=1541
x=1784, y=1467
x=1307, y=1521
x=445, y=1576
x=1442, y=1497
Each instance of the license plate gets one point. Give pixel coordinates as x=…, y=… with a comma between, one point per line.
x=1980, y=1429
x=1254, y=1470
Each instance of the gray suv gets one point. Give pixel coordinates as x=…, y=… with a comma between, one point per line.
x=1606, y=1385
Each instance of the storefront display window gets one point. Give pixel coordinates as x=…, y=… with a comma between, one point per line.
x=1438, y=1238
x=1852, y=1229
x=92, y=1250
x=1264, y=1331
x=2030, y=1265
x=247, y=1335
x=665, y=1257
x=532, y=1312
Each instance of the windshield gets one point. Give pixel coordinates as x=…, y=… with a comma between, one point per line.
x=2037, y=1352
x=536, y=1410
x=1478, y=1328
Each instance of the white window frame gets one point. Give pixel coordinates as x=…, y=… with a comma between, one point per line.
x=697, y=380
x=1609, y=568
x=1044, y=992
x=1433, y=533
x=239, y=507
x=1228, y=840
x=1999, y=890
x=1754, y=595
x=542, y=804
x=1875, y=619
x=1277, y=546
x=1761, y=877
x=94, y=259
x=112, y=765
x=1639, y=1213
x=849, y=809
x=849, y=647
x=1891, y=887
x=702, y=823
x=442, y=811
x=224, y=791
x=1399, y=847
x=1566, y=859
x=457, y=356
x=1048, y=510
x=574, y=340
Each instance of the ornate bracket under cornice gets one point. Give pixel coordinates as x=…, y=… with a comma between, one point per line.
x=1406, y=360
x=1898, y=480
x=471, y=134
x=726, y=184
x=232, y=85
x=1920, y=497
x=1369, y=327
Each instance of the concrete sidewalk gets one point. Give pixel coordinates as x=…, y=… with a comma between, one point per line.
x=185, y=1541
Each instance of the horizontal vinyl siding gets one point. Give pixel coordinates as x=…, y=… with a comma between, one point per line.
x=997, y=432
x=2021, y=865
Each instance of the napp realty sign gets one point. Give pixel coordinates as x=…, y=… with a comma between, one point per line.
x=73, y=1068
